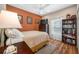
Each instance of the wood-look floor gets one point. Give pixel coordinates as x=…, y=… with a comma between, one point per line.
x=63, y=48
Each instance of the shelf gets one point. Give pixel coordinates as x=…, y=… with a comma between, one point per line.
x=68, y=28
x=69, y=36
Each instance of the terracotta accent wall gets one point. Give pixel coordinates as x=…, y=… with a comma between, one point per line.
x=25, y=14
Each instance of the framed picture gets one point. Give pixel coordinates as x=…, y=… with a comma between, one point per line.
x=29, y=20
x=37, y=21
x=20, y=17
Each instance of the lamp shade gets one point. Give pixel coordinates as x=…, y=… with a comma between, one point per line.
x=9, y=20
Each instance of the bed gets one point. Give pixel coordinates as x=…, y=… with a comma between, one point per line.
x=35, y=39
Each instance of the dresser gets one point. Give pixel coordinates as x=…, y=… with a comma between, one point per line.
x=44, y=26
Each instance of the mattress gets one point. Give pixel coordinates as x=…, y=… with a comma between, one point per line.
x=35, y=39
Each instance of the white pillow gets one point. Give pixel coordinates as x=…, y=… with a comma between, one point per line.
x=13, y=33
x=13, y=40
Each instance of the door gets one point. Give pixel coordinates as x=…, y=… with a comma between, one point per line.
x=55, y=29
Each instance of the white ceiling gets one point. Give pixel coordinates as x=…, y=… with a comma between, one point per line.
x=41, y=9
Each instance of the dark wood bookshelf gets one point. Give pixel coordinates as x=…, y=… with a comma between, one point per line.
x=69, y=31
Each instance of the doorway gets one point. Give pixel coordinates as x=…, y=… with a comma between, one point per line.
x=55, y=29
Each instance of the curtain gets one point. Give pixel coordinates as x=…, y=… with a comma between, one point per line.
x=2, y=37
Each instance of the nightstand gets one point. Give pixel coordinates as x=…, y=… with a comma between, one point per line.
x=22, y=48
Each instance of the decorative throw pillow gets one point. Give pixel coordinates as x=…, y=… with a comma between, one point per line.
x=13, y=33
x=13, y=40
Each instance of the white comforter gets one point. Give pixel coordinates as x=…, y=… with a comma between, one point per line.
x=33, y=38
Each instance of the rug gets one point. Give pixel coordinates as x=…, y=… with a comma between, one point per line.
x=48, y=49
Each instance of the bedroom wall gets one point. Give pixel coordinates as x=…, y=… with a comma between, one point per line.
x=26, y=27
x=78, y=27
x=2, y=7
x=61, y=13
x=57, y=15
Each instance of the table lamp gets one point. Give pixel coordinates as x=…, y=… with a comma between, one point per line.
x=8, y=20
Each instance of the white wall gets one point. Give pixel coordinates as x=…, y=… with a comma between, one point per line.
x=78, y=27
x=2, y=7
x=61, y=13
